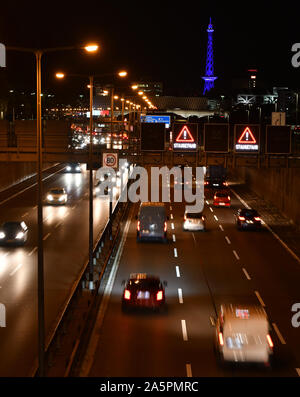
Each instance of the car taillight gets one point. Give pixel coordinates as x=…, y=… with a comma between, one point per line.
x=159, y=295
x=215, y=197
x=228, y=197
x=127, y=294
x=184, y=217
x=257, y=218
x=269, y=339
x=221, y=341
x=241, y=218
x=138, y=226
x=205, y=183
x=165, y=227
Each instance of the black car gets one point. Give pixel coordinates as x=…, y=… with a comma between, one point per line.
x=73, y=168
x=215, y=183
x=247, y=219
x=13, y=233
x=143, y=291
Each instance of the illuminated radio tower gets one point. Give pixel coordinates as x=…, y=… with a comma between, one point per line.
x=209, y=70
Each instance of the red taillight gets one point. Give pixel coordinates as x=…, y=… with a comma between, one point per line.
x=165, y=227
x=205, y=183
x=269, y=339
x=228, y=197
x=257, y=218
x=138, y=226
x=127, y=294
x=159, y=295
x=221, y=341
x=241, y=218
x=215, y=197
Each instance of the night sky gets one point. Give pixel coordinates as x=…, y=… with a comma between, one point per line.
x=158, y=40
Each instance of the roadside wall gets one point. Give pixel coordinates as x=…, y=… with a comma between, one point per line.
x=15, y=172
x=280, y=186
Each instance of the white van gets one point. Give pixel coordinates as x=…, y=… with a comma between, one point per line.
x=243, y=335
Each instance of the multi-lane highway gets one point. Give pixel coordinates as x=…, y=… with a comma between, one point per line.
x=203, y=270
x=65, y=253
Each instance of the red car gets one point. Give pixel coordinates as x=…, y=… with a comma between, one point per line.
x=222, y=199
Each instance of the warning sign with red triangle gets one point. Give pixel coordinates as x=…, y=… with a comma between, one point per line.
x=247, y=137
x=185, y=136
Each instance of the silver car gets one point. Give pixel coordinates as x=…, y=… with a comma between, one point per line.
x=57, y=195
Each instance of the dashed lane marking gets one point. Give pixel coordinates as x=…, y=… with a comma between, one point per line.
x=260, y=298
x=246, y=274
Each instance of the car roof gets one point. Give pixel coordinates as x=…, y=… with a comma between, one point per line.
x=57, y=188
x=235, y=312
x=143, y=276
x=152, y=204
x=251, y=210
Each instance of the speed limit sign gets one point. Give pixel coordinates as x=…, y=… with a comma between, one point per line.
x=110, y=160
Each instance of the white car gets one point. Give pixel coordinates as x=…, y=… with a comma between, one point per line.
x=194, y=221
x=243, y=335
x=57, y=195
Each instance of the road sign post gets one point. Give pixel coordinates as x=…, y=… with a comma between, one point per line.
x=2, y=56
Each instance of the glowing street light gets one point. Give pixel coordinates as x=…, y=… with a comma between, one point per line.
x=91, y=47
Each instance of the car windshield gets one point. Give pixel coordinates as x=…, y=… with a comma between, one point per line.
x=57, y=191
x=194, y=215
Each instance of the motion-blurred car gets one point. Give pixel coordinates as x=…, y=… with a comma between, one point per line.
x=13, y=233
x=73, y=167
x=143, y=291
x=248, y=219
x=57, y=195
x=194, y=221
x=243, y=335
x=222, y=199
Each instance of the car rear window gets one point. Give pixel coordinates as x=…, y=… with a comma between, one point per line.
x=150, y=284
x=249, y=213
x=194, y=215
x=222, y=194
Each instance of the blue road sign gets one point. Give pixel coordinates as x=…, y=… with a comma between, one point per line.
x=149, y=118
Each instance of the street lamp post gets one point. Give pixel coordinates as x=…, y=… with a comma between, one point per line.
x=91, y=201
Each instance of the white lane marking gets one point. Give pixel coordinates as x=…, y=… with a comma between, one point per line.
x=174, y=238
x=58, y=224
x=26, y=213
x=172, y=225
x=246, y=274
x=298, y=371
x=171, y=216
x=94, y=339
x=180, y=297
x=175, y=252
x=33, y=251
x=177, y=271
x=207, y=202
x=216, y=218
x=221, y=227
x=47, y=235
x=16, y=269
x=189, y=370
x=184, y=331
x=270, y=230
x=280, y=337
x=260, y=298
x=236, y=255
x=211, y=209
x=170, y=207
x=227, y=239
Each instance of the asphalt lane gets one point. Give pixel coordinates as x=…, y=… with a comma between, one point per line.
x=203, y=270
x=65, y=252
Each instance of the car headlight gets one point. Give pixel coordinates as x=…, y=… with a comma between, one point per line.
x=77, y=168
x=50, y=197
x=68, y=168
x=2, y=235
x=20, y=235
